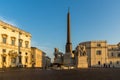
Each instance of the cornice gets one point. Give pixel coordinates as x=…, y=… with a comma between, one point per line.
x=4, y=24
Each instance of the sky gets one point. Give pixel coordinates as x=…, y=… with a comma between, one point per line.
x=46, y=20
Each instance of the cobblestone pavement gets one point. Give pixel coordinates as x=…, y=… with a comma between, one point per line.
x=81, y=74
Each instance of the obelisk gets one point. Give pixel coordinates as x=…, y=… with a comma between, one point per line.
x=68, y=51
x=68, y=43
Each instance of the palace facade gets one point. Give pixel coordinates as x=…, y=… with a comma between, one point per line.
x=15, y=48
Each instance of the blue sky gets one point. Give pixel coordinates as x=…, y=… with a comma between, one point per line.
x=46, y=20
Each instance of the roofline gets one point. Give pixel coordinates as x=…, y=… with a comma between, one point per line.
x=94, y=41
x=38, y=49
x=15, y=27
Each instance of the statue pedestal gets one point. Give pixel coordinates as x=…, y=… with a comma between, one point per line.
x=58, y=60
x=68, y=61
x=82, y=62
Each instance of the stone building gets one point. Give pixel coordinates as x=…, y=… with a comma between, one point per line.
x=38, y=57
x=16, y=50
x=15, y=46
x=113, y=55
x=101, y=54
x=96, y=52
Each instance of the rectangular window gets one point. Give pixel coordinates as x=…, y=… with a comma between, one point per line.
x=98, y=45
x=20, y=44
x=26, y=44
x=4, y=40
x=13, y=42
x=112, y=55
x=4, y=50
x=98, y=52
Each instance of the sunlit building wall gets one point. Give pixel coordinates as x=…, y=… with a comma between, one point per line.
x=15, y=46
x=38, y=57
x=100, y=54
x=114, y=55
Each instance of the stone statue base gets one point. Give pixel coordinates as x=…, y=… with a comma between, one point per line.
x=68, y=61
x=82, y=62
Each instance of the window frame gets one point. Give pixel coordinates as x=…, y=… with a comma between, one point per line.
x=20, y=42
x=98, y=52
x=4, y=38
x=26, y=44
x=98, y=45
